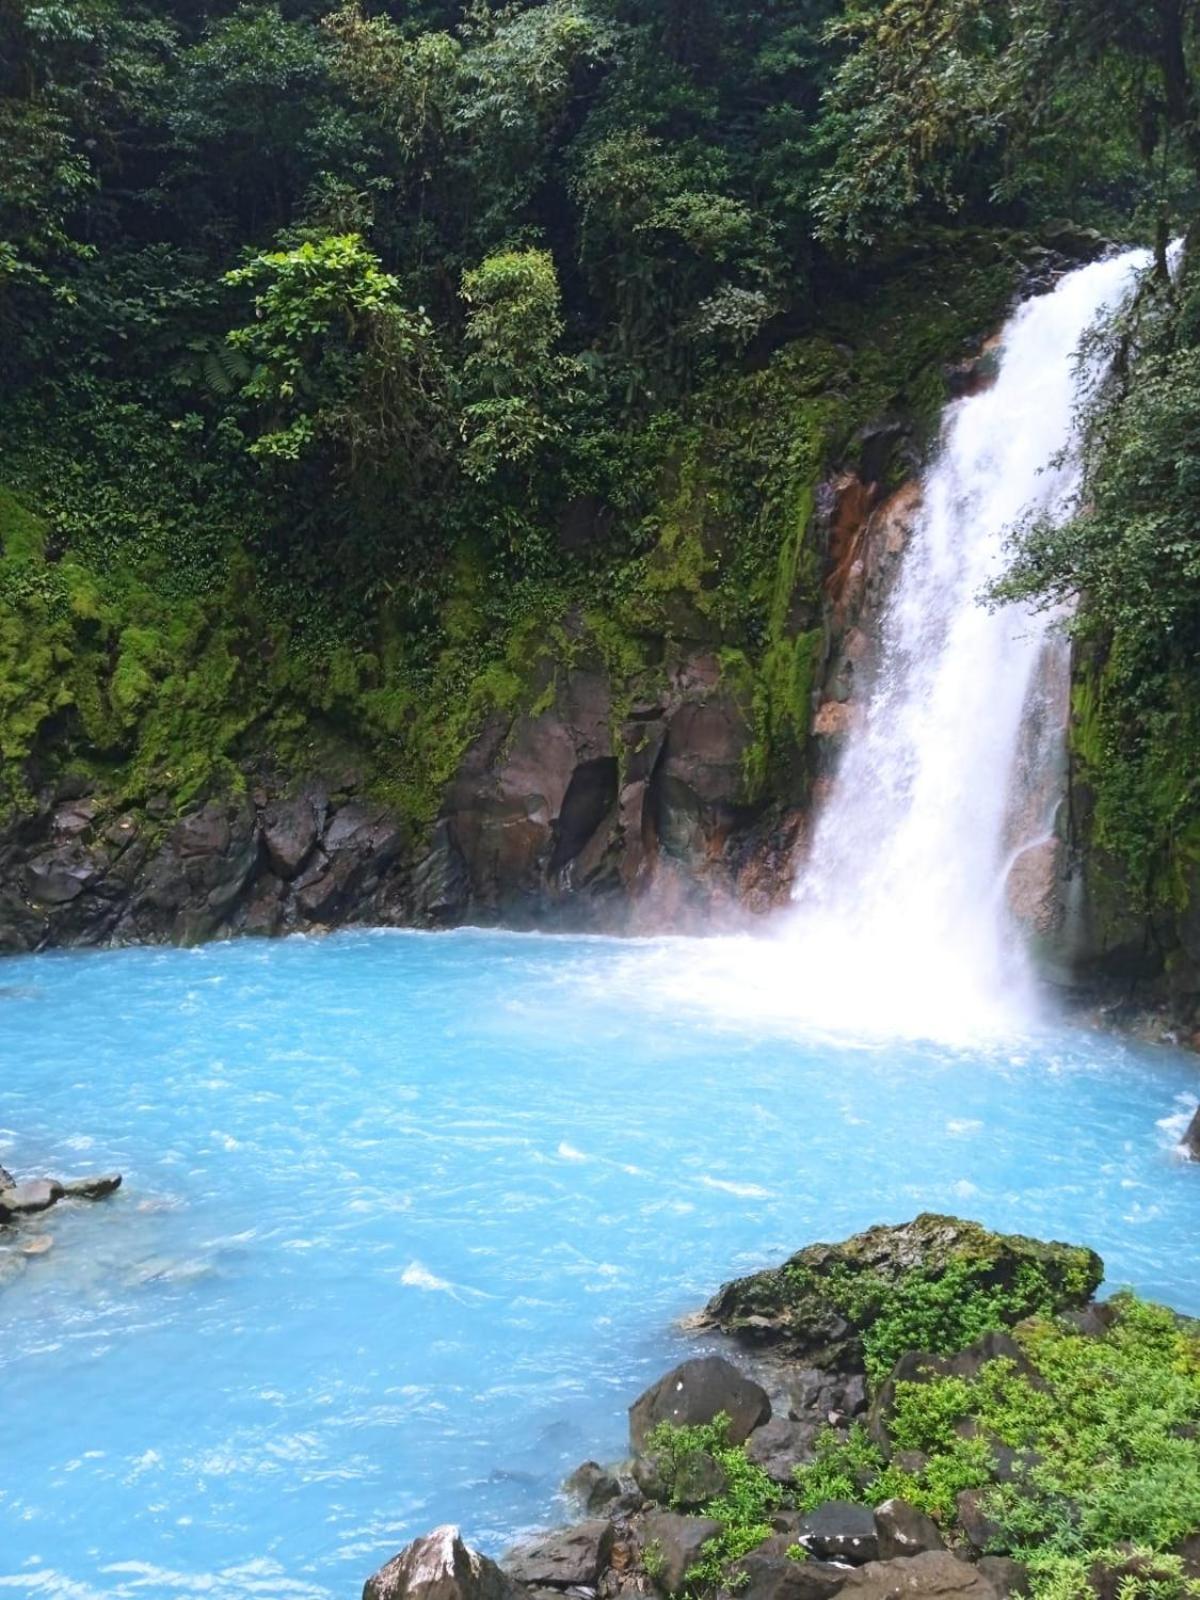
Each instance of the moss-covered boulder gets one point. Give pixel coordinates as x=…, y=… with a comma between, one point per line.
x=932, y=1284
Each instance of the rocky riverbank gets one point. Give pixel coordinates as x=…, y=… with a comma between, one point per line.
x=26, y=1202
x=933, y=1409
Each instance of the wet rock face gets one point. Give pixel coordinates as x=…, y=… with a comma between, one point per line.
x=602, y=811
x=232, y=864
x=793, y=1310
x=608, y=804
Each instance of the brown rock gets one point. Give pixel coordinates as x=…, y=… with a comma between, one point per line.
x=439, y=1566
x=568, y=1559
x=936, y=1573
x=27, y=1198
x=674, y=1544
x=902, y=1530
x=769, y=1573
x=1006, y=1576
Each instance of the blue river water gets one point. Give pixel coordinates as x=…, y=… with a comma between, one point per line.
x=408, y=1221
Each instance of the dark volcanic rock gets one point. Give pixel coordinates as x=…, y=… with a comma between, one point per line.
x=573, y=1558
x=791, y=1308
x=983, y=1533
x=439, y=1566
x=840, y=1530
x=779, y=1446
x=1006, y=1576
x=1191, y=1139
x=1138, y=1572
x=593, y=1486
x=934, y=1574
x=290, y=830
x=902, y=1530
x=674, y=1544
x=818, y=1395
x=769, y=1573
x=696, y=1392
x=97, y=1188
x=689, y=1481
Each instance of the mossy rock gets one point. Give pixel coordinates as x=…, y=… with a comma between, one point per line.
x=934, y=1283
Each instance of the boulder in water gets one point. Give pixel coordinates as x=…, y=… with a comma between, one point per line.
x=1191, y=1139
x=696, y=1392
x=592, y=1486
x=97, y=1188
x=439, y=1566
x=24, y=1199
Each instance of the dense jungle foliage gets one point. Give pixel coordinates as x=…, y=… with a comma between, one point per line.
x=352, y=355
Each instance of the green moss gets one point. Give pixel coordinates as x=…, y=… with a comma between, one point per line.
x=1107, y=1437
x=174, y=644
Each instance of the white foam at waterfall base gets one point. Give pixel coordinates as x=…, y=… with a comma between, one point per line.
x=900, y=923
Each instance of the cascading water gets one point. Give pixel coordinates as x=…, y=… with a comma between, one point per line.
x=903, y=892
x=900, y=922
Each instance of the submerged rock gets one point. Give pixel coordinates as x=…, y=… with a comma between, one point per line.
x=819, y=1304
x=696, y=1392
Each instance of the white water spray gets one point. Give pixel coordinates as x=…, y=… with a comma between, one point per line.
x=900, y=923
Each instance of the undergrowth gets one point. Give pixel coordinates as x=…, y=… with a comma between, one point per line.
x=1090, y=1464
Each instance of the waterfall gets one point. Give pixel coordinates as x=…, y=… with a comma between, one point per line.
x=902, y=897
x=899, y=923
